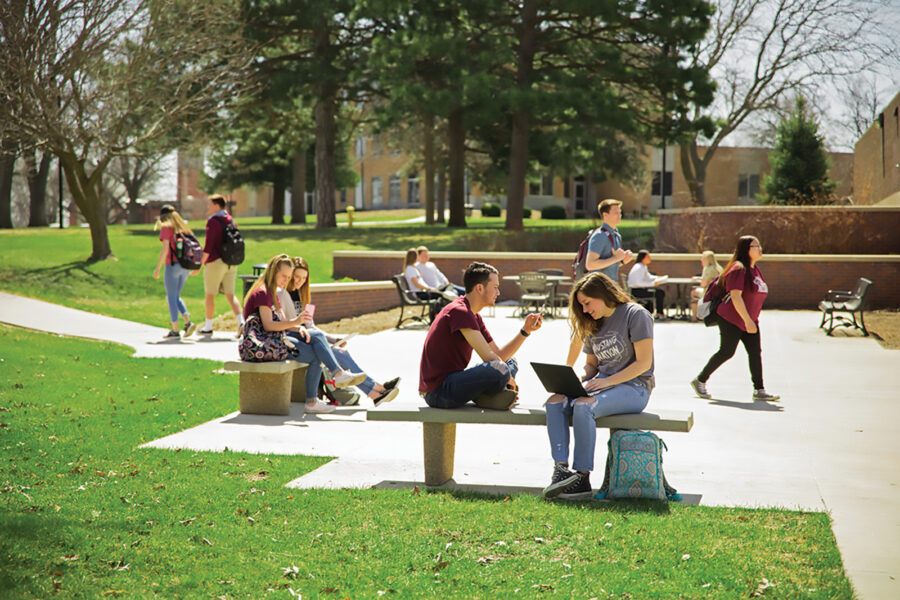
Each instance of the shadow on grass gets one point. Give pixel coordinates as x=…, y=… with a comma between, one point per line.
x=58, y=272
x=757, y=405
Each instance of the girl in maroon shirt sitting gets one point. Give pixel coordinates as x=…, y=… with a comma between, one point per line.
x=744, y=290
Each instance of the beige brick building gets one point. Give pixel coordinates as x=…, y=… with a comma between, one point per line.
x=876, y=173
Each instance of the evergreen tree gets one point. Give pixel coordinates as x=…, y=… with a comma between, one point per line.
x=799, y=162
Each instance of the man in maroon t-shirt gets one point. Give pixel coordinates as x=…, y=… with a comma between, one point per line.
x=444, y=380
x=216, y=274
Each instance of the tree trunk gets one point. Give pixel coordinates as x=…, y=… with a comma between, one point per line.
x=83, y=188
x=521, y=121
x=456, y=140
x=428, y=151
x=325, y=170
x=37, y=188
x=694, y=170
x=278, y=189
x=7, y=169
x=441, y=194
x=298, y=188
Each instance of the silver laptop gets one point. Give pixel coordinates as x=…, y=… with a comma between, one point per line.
x=560, y=379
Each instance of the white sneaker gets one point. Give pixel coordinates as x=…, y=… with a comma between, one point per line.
x=320, y=407
x=347, y=379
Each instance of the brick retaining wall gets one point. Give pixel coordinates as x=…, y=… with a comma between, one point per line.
x=337, y=300
x=795, y=280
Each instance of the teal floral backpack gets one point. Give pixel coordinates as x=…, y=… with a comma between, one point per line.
x=634, y=467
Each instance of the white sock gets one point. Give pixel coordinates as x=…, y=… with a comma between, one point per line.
x=207, y=326
x=240, y=318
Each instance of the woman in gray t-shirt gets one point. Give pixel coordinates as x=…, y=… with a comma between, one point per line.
x=618, y=340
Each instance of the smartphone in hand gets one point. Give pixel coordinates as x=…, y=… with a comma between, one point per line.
x=311, y=309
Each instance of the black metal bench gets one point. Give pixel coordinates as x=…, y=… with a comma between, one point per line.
x=837, y=301
x=407, y=299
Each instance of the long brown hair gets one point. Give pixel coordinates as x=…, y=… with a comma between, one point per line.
x=300, y=263
x=175, y=221
x=267, y=279
x=411, y=256
x=593, y=285
x=741, y=258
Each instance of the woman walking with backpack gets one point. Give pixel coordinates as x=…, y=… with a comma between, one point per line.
x=171, y=225
x=743, y=292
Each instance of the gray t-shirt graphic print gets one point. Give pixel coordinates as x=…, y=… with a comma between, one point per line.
x=613, y=344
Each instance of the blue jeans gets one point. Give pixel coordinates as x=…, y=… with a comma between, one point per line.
x=316, y=352
x=628, y=397
x=174, y=277
x=459, y=388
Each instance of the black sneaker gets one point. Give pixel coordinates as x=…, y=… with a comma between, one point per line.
x=205, y=332
x=562, y=478
x=579, y=490
x=503, y=400
x=172, y=334
x=391, y=384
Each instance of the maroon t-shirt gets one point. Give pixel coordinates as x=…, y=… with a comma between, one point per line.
x=212, y=245
x=446, y=351
x=260, y=297
x=753, y=293
x=168, y=234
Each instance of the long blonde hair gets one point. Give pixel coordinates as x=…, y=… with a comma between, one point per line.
x=173, y=220
x=593, y=285
x=267, y=279
x=708, y=258
x=298, y=262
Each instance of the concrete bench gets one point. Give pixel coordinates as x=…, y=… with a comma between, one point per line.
x=439, y=428
x=268, y=388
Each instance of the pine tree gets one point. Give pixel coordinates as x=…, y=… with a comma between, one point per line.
x=799, y=162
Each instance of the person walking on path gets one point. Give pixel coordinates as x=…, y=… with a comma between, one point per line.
x=444, y=380
x=617, y=336
x=295, y=302
x=216, y=274
x=604, y=253
x=743, y=292
x=175, y=276
x=262, y=301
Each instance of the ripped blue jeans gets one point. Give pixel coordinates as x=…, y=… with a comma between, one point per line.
x=628, y=397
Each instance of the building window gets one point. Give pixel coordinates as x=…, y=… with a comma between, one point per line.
x=748, y=188
x=547, y=185
x=376, y=191
x=394, y=192
x=654, y=191
x=534, y=188
x=566, y=187
x=412, y=190
x=376, y=147
x=395, y=152
x=360, y=146
x=343, y=196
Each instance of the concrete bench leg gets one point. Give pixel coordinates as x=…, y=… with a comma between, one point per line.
x=298, y=385
x=440, y=446
x=265, y=393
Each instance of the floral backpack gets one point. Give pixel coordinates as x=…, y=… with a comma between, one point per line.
x=259, y=345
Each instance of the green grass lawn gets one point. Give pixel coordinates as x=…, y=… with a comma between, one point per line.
x=49, y=263
x=85, y=513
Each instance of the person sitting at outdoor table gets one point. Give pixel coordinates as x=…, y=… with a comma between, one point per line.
x=417, y=286
x=711, y=270
x=263, y=302
x=295, y=304
x=432, y=276
x=645, y=285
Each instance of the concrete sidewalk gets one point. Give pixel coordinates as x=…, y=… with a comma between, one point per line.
x=830, y=444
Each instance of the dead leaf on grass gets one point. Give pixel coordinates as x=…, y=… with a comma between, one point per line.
x=69, y=557
x=761, y=589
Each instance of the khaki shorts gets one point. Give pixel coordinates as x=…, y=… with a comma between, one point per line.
x=219, y=278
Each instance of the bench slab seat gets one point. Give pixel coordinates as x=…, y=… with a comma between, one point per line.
x=439, y=428
x=268, y=388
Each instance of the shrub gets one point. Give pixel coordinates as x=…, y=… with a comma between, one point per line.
x=490, y=209
x=526, y=213
x=553, y=212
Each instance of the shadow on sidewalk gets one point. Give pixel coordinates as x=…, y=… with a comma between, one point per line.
x=757, y=405
x=299, y=418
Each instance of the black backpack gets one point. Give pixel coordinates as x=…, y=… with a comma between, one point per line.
x=232, y=245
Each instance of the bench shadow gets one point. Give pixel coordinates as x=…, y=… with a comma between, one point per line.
x=298, y=417
x=213, y=340
x=499, y=493
x=757, y=405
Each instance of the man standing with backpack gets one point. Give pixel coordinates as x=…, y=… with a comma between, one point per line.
x=219, y=273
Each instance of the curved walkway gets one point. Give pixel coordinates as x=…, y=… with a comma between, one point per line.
x=831, y=444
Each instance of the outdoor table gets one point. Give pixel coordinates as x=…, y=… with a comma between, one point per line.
x=258, y=269
x=553, y=280
x=682, y=296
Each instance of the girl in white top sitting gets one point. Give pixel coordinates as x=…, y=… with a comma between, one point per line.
x=643, y=284
x=294, y=300
x=417, y=286
x=711, y=270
